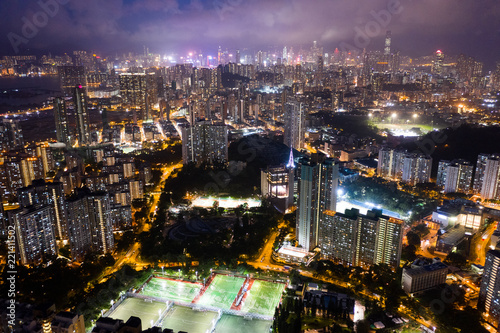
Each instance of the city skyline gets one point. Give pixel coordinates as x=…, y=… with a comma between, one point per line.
x=169, y=26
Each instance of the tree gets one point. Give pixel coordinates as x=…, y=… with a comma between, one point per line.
x=413, y=239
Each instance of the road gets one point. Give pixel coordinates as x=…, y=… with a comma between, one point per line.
x=132, y=253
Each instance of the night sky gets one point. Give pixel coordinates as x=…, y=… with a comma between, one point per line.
x=419, y=27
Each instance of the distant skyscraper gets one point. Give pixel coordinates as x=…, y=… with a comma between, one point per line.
x=82, y=116
x=238, y=57
x=35, y=236
x=61, y=120
x=70, y=77
x=455, y=176
x=317, y=189
x=278, y=182
x=489, y=292
x=294, y=124
x=361, y=240
x=387, y=48
x=390, y=163
x=438, y=63
x=204, y=142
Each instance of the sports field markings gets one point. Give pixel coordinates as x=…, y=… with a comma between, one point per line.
x=232, y=324
x=148, y=311
x=222, y=291
x=171, y=289
x=263, y=297
x=181, y=318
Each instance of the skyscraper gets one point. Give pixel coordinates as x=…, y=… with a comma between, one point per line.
x=438, y=63
x=387, y=46
x=82, y=117
x=317, y=190
x=133, y=90
x=361, y=240
x=416, y=168
x=294, y=124
x=489, y=292
x=61, y=120
x=204, y=142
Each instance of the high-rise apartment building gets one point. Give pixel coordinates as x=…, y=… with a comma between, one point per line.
x=41, y=194
x=416, y=169
x=35, y=235
x=361, y=240
x=90, y=228
x=11, y=135
x=318, y=179
x=61, y=120
x=294, y=118
x=455, y=176
x=204, y=142
x=489, y=292
x=82, y=116
x=486, y=178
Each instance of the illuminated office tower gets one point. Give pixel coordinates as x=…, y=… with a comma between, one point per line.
x=70, y=77
x=489, y=292
x=82, y=116
x=41, y=194
x=204, y=142
x=317, y=191
x=278, y=182
x=387, y=46
x=438, y=63
x=35, y=236
x=61, y=120
x=294, y=124
x=11, y=135
x=455, y=176
x=238, y=57
x=361, y=240
x=90, y=227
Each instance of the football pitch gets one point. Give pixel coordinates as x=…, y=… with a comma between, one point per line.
x=147, y=311
x=263, y=297
x=181, y=318
x=222, y=291
x=172, y=290
x=231, y=324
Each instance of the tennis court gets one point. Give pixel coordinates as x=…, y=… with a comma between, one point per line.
x=231, y=324
x=181, y=318
x=222, y=291
x=263, y=297
x=147, y=311
x=171, y=289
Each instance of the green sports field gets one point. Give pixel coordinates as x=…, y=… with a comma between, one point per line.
x=263, y=297
x=137, y=307
x=172, y=290
x=181, y=318
x=222, y=291
x=231, y=324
